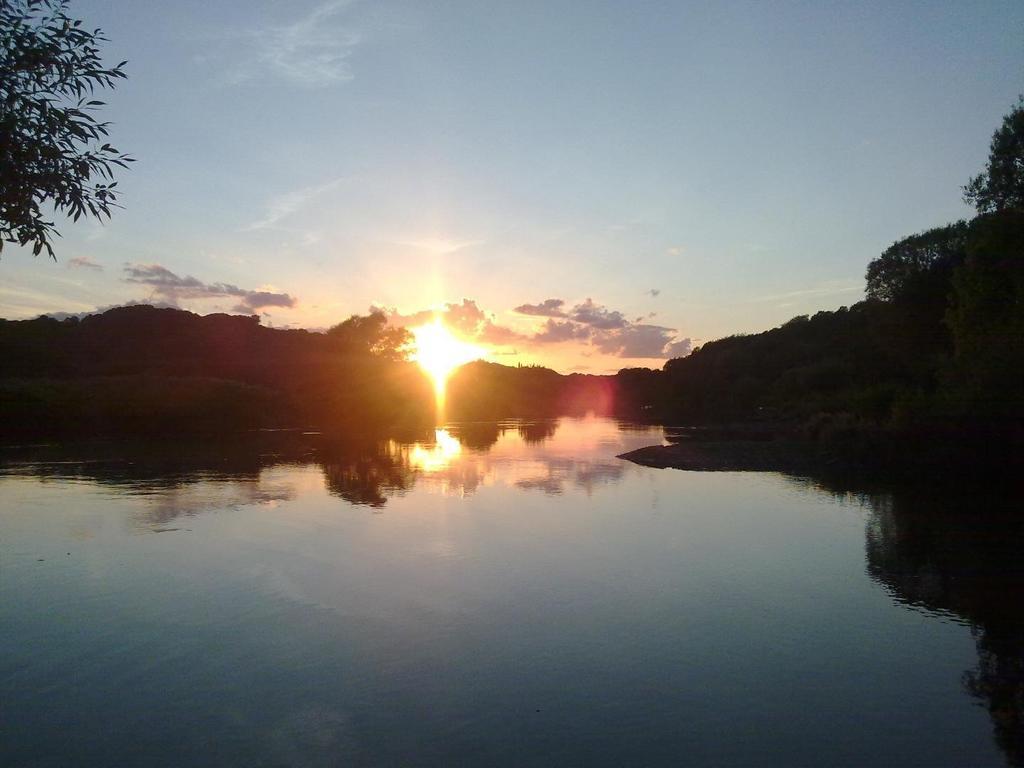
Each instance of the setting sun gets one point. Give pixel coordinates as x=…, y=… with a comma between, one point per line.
x=439, y=353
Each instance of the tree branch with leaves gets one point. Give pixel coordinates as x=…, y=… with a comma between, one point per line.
x=1000, y=186
x=54, y=156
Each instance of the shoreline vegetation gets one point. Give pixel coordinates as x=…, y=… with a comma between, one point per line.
x=927, y=370
x=897, y=456
x=886, y=382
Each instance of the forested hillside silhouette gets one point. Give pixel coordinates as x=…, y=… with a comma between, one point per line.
x=144, y=369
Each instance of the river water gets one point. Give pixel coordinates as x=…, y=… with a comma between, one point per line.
x=496, y=594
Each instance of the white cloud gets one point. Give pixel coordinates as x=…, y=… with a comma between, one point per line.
x=826, y=289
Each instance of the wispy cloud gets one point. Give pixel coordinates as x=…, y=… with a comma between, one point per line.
x=84, y=262
x=283, y=206
x=312, y=51
x=171, y=288
x=827, y=289
x=439, y=245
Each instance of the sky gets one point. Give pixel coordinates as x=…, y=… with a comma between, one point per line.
x=584, y=185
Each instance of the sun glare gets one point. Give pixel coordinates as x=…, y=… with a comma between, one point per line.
x=439, y=353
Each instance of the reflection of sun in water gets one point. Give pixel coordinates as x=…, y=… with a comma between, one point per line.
x=432, y=458
x=439, y=353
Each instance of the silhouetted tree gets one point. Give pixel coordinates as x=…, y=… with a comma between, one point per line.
x=1001, y=185
x=987, y=319
x=371, y=335
x=986, y=315
x=920, y=266
x=50, y=150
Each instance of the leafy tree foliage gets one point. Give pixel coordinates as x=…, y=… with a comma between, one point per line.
x=1001, y=185
x=986, y=318
x=841, y=361
x=370, y=335
x=918, y=266
x=52, y=147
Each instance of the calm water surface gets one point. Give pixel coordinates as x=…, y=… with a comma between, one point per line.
x=505, y=594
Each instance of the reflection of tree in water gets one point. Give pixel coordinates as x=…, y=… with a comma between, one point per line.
x=536, y=432
x=962, y=555
x=482, y=435
x=370, y=474
x=176, y=479
x=476, y=435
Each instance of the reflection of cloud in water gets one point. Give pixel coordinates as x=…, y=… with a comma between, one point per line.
x=189, y=499
x=551, y=455
x=585, y=475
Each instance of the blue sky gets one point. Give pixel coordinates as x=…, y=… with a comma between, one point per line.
x=668, y=171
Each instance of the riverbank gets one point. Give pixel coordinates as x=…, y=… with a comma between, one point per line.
x=728, y=456
x=895, y=454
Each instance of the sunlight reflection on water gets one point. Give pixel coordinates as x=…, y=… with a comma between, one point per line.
x=437, y=455
x=539, y=455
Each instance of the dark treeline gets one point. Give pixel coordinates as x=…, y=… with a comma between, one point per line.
x=937, y=343
x=935, y=350
x=144, y=369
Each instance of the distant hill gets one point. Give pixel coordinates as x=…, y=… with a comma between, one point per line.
x=148, y=369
